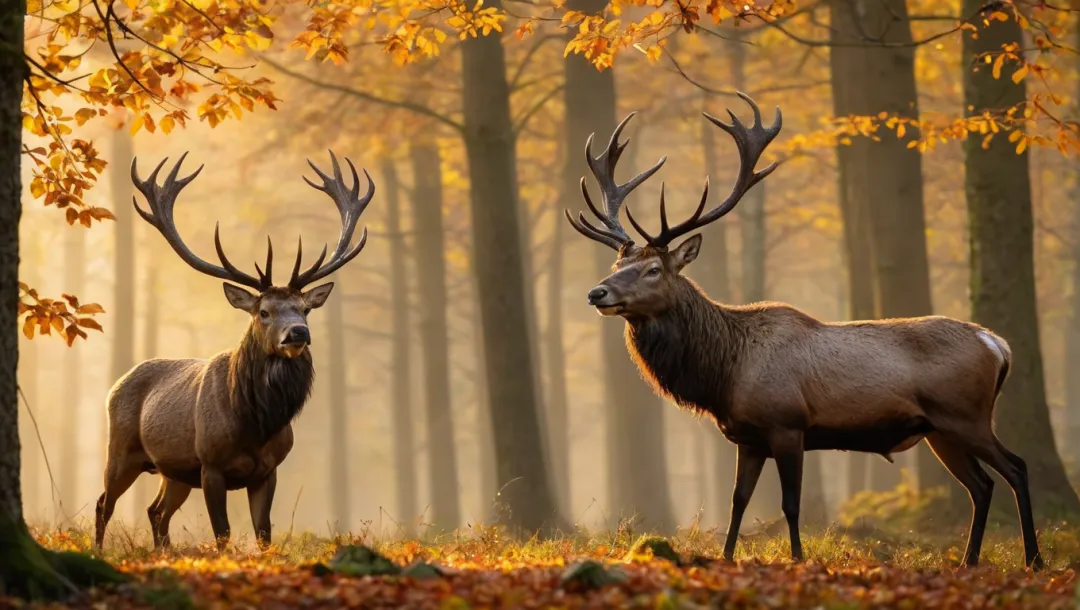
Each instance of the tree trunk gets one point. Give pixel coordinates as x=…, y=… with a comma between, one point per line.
x=753, y=260
x=337, y=399
x=152, y=315
x=401, y=358
x=860, y=169
x=123, y=303
x=26, y=570
x=557, y=395
x=1072, y=341
x=998, y=190
x=636, y=460
x=897, y=216
x=427, y=208
x=74, y=282
x=712, y=273
x=489, y=142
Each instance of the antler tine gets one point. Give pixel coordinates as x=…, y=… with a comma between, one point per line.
x=161, y=198
x=268, y=276
x=614, y=194
x=751, y=143
x=350, y=206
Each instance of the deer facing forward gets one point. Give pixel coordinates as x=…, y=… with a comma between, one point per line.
x=779, y=382
x=224, y=423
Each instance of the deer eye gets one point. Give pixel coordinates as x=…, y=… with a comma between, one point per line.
x=265, y=315
x=655, y=271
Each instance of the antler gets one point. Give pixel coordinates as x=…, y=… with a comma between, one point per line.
x=162, y=198
x=350, y=205
x=751, y=143
x=603, y=168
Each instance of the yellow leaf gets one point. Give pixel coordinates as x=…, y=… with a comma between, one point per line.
x=1020, y=74
x=998, y=63
x=28, y=327
x=137, y=124
x=1016, y=135
x=900, y=130
x=83, y=115
x=1022, y=146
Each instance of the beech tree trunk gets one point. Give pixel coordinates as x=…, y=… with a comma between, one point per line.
x=122, y=310
x=515, y=415
x=713, y=274
x=401, y=358
x=74, y=283
x=337, y=399
x=430, y=245
x=1072, y=341
x=636, y=459
x=998, y=189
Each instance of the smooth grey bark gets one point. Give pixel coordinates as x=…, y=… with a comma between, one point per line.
x=122, y=307
x=713, y=273
x=401, y=357
x=636, y=458
x=430, y=247
x=337, y=403
x=1072, y=339
x=1003, y=298
x=74, y=283
x=515, y=415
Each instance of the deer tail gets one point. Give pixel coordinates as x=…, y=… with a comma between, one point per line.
x=1002, y=352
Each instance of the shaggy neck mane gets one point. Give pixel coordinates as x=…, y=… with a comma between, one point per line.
x=689, y=352
x=268, y=391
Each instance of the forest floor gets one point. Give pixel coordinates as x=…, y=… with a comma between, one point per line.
x=478, y=568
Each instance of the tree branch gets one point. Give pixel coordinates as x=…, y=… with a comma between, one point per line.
x=410, y=106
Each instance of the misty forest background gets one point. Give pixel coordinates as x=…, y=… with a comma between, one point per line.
x=398, y=436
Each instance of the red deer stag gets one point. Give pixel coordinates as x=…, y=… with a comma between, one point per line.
x=224, y=423
x=779, y=382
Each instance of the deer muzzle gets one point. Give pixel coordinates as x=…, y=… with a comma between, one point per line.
x=297, y=336
x=605, y=300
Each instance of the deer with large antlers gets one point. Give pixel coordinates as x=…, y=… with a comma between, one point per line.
x=225, y=423
x=777, y=381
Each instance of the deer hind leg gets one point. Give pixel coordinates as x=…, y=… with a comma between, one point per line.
x=120, y=473
x=748, y=465
x=260, y=498
x=1013, y=469
x=961, y=463
x=787, y=450
x=171, y=496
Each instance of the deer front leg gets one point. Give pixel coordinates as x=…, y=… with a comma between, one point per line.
x=748, y=465
x=260, y=498
x=787, y=448
x=213, y=484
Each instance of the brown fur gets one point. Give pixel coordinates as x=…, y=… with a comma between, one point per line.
x=779, y=382
x=227, y=417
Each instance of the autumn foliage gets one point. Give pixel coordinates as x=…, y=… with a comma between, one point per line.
x=478, y=569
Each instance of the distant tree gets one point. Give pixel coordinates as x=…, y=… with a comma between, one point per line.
x=998, y=187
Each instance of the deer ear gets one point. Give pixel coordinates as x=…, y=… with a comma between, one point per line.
x=240, y=298
x=687, y=251
x=316, y=297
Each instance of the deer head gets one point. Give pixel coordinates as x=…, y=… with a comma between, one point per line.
x=644, y=278
x=278, y=313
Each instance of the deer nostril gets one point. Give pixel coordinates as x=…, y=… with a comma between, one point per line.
x=298, y=334
x=597, y=293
